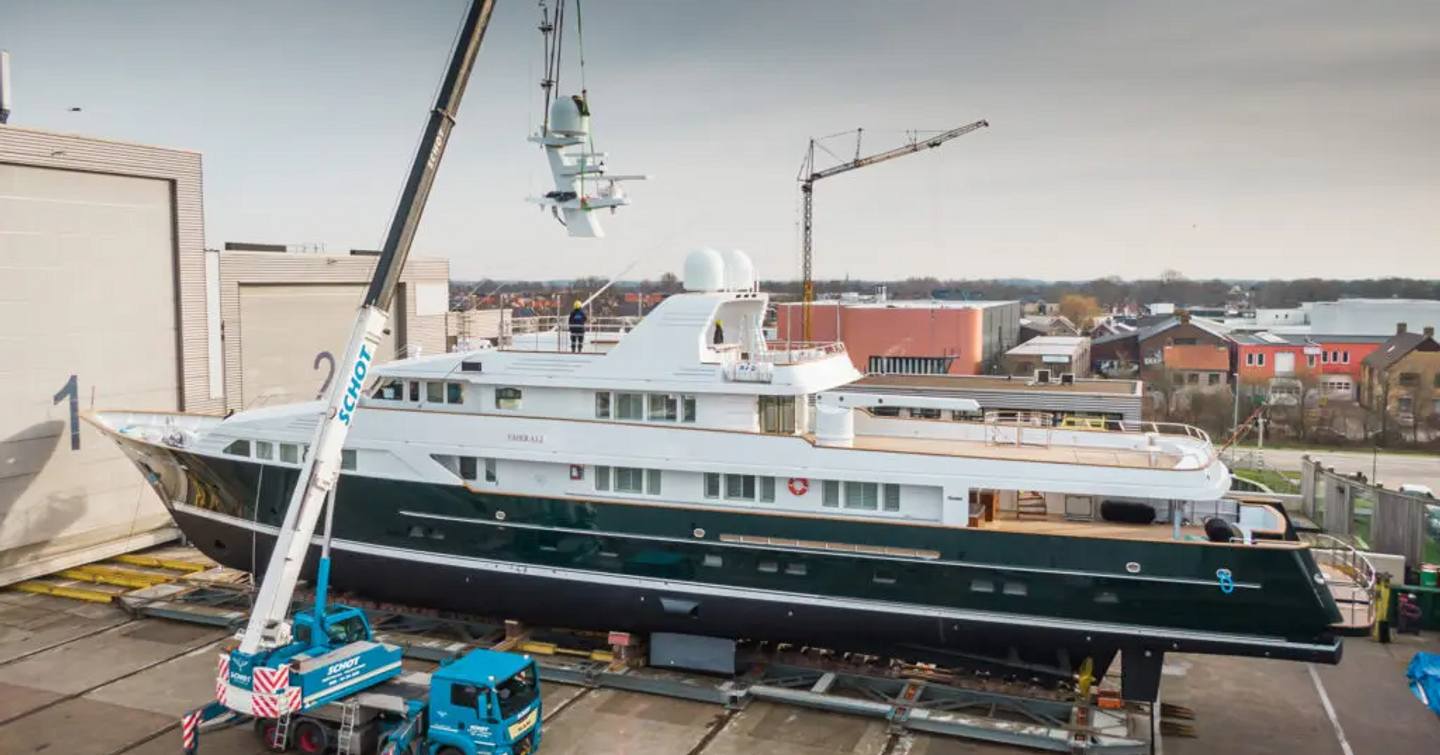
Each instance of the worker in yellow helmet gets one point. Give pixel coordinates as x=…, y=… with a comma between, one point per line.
x=719, y=333
x=577, y=327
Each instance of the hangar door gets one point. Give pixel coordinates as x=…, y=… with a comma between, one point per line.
x=87, y=263
x=284, y=330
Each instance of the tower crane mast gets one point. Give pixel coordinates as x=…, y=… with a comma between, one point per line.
x=808, y=177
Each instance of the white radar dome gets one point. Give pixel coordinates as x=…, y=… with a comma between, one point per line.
x=739, y=270
x=570, y=115
x=704, y=270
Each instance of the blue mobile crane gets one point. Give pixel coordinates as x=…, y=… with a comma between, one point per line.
x=319, y=680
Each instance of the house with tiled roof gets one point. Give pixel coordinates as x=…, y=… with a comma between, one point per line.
x=1400, y=380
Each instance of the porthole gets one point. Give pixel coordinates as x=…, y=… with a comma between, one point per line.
x=1133, y=567
x=698, y=532
x=500, y=515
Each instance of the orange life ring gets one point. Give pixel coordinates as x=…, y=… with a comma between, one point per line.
x=798, y=486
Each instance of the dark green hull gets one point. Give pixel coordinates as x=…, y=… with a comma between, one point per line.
x=609, y=564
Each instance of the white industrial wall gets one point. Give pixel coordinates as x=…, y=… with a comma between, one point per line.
x=90, y=239
x=1372, y=317
x=280, y=311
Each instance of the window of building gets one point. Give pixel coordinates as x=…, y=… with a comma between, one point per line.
x=347, y=458
x=289, y=453
x=740, y=487
x=1345, y=357
x=664, y=407
x=1325, y=357
x=1184, y=342
x=767, y=489
x=1214, y=378
x=1193, y=378
x=1437, y=380
x=264, y=449
x=434, y=392
x=881, y=365
x=602, y=405
x=1309, y=360
x=830, y=494
x=630, y=406
x=454, y=393
x=1406, y=404
x=238, y=448
x=1410, y=378
x=507, y=398
x=1260, y=360
x=1249, y=359
x=687, y=408
x=862, y=495
x=1178, y=378
x=712, y=485
x=777, y=414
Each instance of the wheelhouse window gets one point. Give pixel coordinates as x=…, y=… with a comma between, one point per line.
x=830, y=494
x=414, y=390
x=767, y=489
x=347, y=459
x=629, y=480
x=507, y=398
x=892, y=497
x=454, y=393
x=602, y=405
x=712, y=485
x=238, y=448
x=687, y=408
x=289, y=453
x=390, y=389
x=434, y=392
x=264, y=449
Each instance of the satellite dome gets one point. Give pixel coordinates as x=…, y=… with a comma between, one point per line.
x=704, y=270
x=739, y=270
x=570, y=116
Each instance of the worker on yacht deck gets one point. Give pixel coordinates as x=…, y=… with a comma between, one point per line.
x=719, y=333
x=577, y=327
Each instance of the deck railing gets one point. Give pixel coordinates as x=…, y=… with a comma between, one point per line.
x=612, y=327
x=1350, y=576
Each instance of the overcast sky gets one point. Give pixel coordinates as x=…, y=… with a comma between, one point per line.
x=1232, y=139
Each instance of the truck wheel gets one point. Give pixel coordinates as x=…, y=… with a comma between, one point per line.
x=311, y=737
x=265, y=729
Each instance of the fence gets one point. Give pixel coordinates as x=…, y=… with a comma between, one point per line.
x=1373, y=517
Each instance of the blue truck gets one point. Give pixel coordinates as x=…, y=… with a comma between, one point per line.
x=483, y=702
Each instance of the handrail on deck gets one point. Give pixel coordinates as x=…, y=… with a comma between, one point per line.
x=1345, y=559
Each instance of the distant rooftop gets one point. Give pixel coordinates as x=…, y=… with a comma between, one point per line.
x=906, y=303
x=1042, y=345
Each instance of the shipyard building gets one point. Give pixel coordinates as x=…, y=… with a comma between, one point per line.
x=112, y=299
x=910, y=337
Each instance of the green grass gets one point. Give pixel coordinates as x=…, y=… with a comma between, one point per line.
x=1279, y=482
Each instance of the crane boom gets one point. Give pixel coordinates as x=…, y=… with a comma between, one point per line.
x=268, y=627
x=808, y=177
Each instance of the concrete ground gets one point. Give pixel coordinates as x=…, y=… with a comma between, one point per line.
x=1392, y=469
x=84, y=679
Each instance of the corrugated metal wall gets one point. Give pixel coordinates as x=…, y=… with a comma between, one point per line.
x=102, y=261
x=182, y=168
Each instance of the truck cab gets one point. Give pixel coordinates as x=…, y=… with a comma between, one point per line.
x=485, y=702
